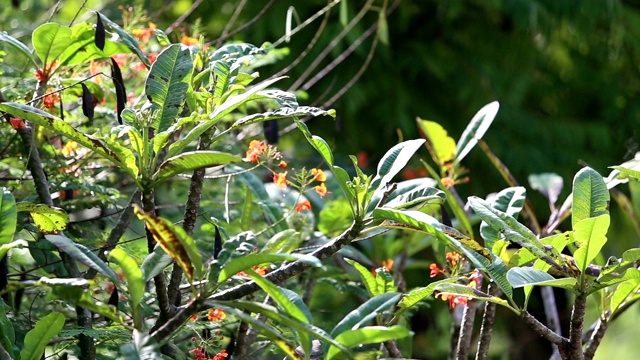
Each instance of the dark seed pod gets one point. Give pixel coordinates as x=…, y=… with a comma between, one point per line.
x=114, y=298
x=217, y=244
x=271, y=131
x=121, y=93
x=4, y=277
x=87, y=102
x=100, y=34
x=17, y=299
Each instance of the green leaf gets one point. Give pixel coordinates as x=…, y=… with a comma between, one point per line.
x=394, y=161
x=8, y=217
x=126, y=38
x=48, y=219
x=416, y=295
x=60, y=127
x=81, y=47
x=590, y=196
x=279, y=241
x=317, y=142
x=385, y=281
x=155, y=263
x=622, y=292
x=368, y=279
x=49, y=41
x=524, y=276
x=549, y=184
x=135, y=282
x=631, y=255
x=190, y=161
x=383, y=28
x=344, y=13
x=417, y=198
x=368, y=335
x=478, y=125
x=282, y=113
x=511, y=201
x=18, y=45
x=366, y=312
x=418, y=221
x=167, y=84
x=37, y=339
x=343, y=180
x=614, y=278
x=627, y=171
x=524, y=256
x=335, y=216
x=441, y=146
x=590, y=235
x=7, y=335
x=245, y=262
x=83, y=254
x=466, y=291
x=143, y=347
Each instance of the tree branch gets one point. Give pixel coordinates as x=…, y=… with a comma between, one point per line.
x=487, y=323
x=551, y=313
x=573, y=349
x=543, y=331
x=466, y=330
x=596, y=338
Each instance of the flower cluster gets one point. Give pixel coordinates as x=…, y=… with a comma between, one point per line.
x=52, y=99
x=263, y=154
x=262, y=271
x=199, y=354
x=453, y=268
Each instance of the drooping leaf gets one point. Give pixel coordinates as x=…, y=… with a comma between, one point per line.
x=190, y=161
x=368, y=335
x=60, y=127
x=590, y=235
x=143, y=347
x=524, y=276
x=7, y=336
x=549, y=184
x=175, y=242
x=100, y=33
x=135, y=282
x=87, y=102
x=368, y=279
x=126, y=38
x=441, y=146
x=478, y=125
x=50, y=40
x=317, y=142
x=8, y=217
x=48, y=219
x=18, y=45
x=121, y=93
x=394, y=161
x=167, y=84
x=155, y=263
x=38, y=338
x=83, y=254
x=366, y=312
x=590, y=195
x=245, y=262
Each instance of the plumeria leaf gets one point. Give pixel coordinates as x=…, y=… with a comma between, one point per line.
x=366, y=312
x=590, y=235
x=135, y=282
x=190, y=161
x=590, y=195
x=126, y=38
x=368, y=279
x=524, y=276
x=282, y=113
x=175, y=242
x=510, y=201
x=245, y=262
x=614, y=278
x=417, y=198
x=38, y=338
x=279, y=241
x=155, y=263
x=466, y=291
x=83, y=255
x=394, y=161
x=48, y=219
x=476, y=129
x=8, y=217
x=18, y=45
x=50, y=40
x=317, y=142
x=627, y=171
x=623, y=292
x=8, y=336
x=167, y=84
x=441, y=146
x=416, y=295
x=549, y=184
x=367, y=335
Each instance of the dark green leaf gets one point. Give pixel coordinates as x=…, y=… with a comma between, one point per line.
x=83, y=254
x=510, y=201
x=127, y=39
x=366, y=312
x=7, y=335
x=590, y=195
x=525, y=276
x=368, y=279
x=245, y=262
x=8, y=217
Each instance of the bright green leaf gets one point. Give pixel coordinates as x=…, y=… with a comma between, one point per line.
x=190, y=161
x=524, y=276
x=368, y=279
x=590, y=196
x=37, y=339
x=441, y=146
x=590, y=235
x=135, y=282
x=49, y=41
x=367, y=335
x=8, y=217
x=18, y=45
x=48, y=219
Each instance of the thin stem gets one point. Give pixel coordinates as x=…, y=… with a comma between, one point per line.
x=596, y=338
x=183, y=17
x=244, y=26
x=487, y=323
x=543, y=330
x=573, y=349
x=551, y=313
x=232, y=20
x=306, y=22
x=466, y=330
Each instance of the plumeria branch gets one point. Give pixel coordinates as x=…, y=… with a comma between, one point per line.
x=487, y=323
x=596, y=338
x=573, y=350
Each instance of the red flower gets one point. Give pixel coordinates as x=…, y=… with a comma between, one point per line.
x=216, y=315
x=219, y=356
x=281, y=180
x=434, y=270
x=50, y=100
x=198, y=354
x=282, y=164
x=17, y=123
x=305, y=205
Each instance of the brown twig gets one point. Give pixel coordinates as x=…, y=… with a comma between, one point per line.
x=244, y=26
x=543, y=331
x=183, y=17
x=487, y=323
x=466, y=330
x=551, y=314
x=573, y=349
x=596, y=338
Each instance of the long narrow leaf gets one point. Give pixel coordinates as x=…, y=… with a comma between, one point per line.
x=190, y=161
x=8, y=217
x=366, y=312
x=135, y=282
x=84, y=255
x=368, y=335
x=245, y=262
x=478, y=125
x=37, y=339
x=18, y=45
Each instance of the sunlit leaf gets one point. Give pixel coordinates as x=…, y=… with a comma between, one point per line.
x=38, y=338
x=135, y=282
x=394, y=160
x=50, y=40
x=524, y=276
x=368, y=279
x=175, y=242
x=8, y=217
x=624, y=291
x=48, y=219
x=167, y=84
x=478, y=125
x=590, y=235
x=245, y=262
x=510, y=201
x=416, y=295
x=368, y=335
x=83, y=255
x=466, y=291
x=549, y=184
x=278, y=241
x=441, y=146
x=317, y=142
x=590, y=195
x=190, y=161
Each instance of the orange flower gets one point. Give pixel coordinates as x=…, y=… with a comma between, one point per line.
x=262, y=271
x=219, y=356
x=453, y=257
x=69, y=148
x=152, y=57
x=319, y=175
x=283, y=164
x=447, y=181
x=387, y=264
x=305, y=205
x=121, y=60
x=434, y=270
x=189, y=41
x=216, y=315
x=50, y=101
x=281, y=180
x=17, y=123
x=256, y=148
x=194, y=317
x=453, y=300
x=321, y=190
